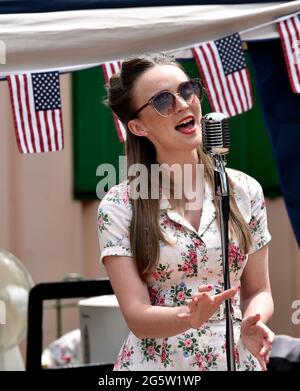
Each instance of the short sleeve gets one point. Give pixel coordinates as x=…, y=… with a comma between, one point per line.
x=258, y=218
x=114, y=216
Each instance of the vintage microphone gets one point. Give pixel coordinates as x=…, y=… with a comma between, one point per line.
x=216, y=142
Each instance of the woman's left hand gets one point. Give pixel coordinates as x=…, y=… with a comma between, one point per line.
x=257, y=338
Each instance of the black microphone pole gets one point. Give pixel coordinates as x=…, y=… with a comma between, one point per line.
x=215, y=131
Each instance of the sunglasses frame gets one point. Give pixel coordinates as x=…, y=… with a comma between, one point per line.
x=150, y=101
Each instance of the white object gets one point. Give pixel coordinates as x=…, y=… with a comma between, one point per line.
x=15, y=284
x=11, y=360
x=103, y=329
x=64, y=351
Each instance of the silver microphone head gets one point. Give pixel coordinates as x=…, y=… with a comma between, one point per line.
x=215, y=134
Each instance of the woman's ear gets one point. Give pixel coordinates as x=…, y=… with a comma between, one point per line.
x=135, y=126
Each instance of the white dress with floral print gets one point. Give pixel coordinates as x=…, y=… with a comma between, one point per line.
x=195, y=260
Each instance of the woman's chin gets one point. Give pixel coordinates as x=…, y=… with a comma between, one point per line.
x=195, y=139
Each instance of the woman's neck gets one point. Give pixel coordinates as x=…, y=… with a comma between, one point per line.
x=181, y=158
x=186, y=178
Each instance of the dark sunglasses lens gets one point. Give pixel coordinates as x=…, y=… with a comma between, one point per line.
x=164, y=103
x=190, y=88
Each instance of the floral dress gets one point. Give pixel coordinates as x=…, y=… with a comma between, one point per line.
x=195, y=260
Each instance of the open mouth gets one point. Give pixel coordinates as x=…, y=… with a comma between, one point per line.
x=186, y=126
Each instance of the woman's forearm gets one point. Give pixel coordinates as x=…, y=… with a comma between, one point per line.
x=158, y=322
x=260, y=303
x=147, y=321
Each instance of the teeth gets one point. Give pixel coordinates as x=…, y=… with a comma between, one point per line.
x=185, y=121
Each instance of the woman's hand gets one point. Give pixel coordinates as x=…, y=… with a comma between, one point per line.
x=203, y=305
x=258, y=338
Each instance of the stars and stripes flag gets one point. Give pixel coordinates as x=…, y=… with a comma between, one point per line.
x=289, y=32
x=36, y=105
x=225, y=75
x=110, y=68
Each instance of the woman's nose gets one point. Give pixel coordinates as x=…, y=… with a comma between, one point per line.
x=181, y=103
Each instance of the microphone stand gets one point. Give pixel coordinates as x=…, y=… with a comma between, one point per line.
x=222, y=195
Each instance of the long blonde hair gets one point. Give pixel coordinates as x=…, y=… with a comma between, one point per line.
x=144, y=228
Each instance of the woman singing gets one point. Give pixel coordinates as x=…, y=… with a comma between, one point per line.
x=163, y=258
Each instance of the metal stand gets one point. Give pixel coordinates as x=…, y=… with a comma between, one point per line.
x=222, y=195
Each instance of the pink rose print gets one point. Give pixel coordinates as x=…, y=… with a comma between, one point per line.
x=166, y=221
x=124, y=359
x=117, y=365
x=153, y=293
x=235, y=352
x=126, y=196
x=162, y=273
x=156, y=276
x=189, y=265
x=206, y=359
x=126, y=354
x=165, y=356
x=179, y=293
x=156, y=296
x=180, y=296
x=236, y=258
x=188, y=342
x=193, y=257
x=259, y=238
x=186, y=268
x=103, y=220
x=160, y=301
x=197, y=243
x=150, y=350
x=253, y=224
x=100, y=220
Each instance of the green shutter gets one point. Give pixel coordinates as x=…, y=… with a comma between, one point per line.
x=95, y=140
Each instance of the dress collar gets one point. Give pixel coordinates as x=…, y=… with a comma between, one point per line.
x=208, y=211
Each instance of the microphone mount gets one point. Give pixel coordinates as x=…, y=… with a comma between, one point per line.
x=215, y=131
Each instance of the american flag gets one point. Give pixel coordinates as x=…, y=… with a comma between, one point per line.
x=36, y=104
x=110, y=68
x=225, y=76
x=289, y=31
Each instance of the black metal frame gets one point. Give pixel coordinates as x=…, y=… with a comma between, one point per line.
x=222, y=195
x=57, y=290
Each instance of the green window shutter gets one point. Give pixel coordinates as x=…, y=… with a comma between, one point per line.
x=95, y=139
